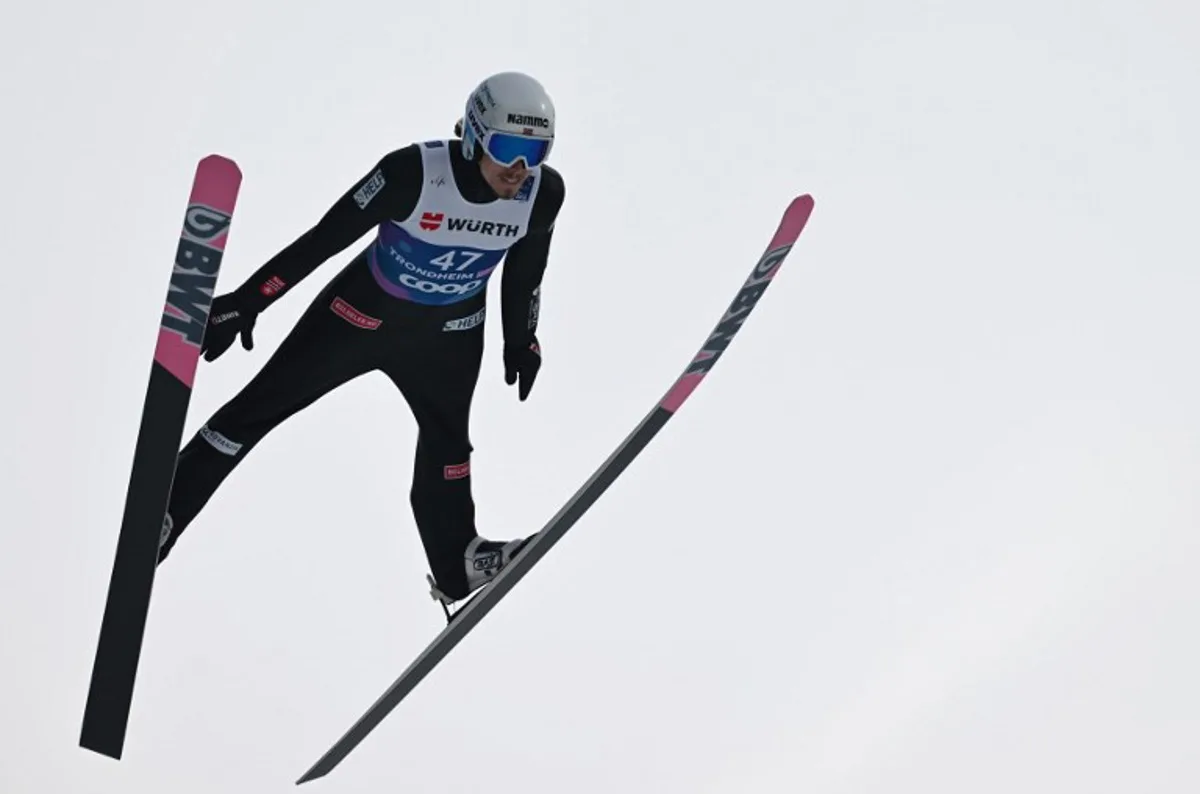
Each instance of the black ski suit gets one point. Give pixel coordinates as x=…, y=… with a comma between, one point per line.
x=431, y=352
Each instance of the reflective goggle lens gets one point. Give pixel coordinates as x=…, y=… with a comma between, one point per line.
x=507, y=149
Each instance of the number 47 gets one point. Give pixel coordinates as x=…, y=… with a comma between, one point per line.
x=446, y=260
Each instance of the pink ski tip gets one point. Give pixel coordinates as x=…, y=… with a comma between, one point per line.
x=794, y=219
x=218, y=180
x=222, y=166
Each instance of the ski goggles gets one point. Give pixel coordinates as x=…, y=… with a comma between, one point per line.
x=506, y=148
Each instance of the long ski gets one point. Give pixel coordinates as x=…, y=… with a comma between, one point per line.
x=194, y=272
x=790, y=226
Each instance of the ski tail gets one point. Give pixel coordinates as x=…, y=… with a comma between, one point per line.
x=791, y=225
x=190, y=291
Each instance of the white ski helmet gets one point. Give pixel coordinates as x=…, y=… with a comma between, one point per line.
x=509, y=117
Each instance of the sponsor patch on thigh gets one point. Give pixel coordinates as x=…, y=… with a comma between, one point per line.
x=464, y=323
x=353, y=315
x=219, y=442
x=457, y=471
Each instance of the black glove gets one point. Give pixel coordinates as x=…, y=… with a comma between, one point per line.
x=227, y=318
x=522, y=362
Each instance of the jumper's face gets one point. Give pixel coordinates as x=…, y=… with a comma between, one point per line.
x=505, y=180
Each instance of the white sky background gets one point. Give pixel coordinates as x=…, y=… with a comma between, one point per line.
x=929, y=526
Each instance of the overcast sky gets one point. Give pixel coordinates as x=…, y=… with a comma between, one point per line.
x=930, y=526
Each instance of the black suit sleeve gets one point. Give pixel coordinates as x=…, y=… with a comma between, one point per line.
x=389, y=190
x=525, y=263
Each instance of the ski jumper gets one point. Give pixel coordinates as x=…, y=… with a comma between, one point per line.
x=411, y=305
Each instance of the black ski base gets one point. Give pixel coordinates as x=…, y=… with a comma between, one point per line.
x=106, y=714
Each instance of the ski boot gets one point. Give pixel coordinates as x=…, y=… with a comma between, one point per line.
x=483, y=561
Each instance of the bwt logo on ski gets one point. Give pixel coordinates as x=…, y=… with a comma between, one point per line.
x=524, y=120
x=745, y=300
x=432, y=221
x=204, y=223
x=194, y=278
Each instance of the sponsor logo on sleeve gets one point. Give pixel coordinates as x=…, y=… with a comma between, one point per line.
x=369, y=189
x=535, y=308
x=272, y=286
